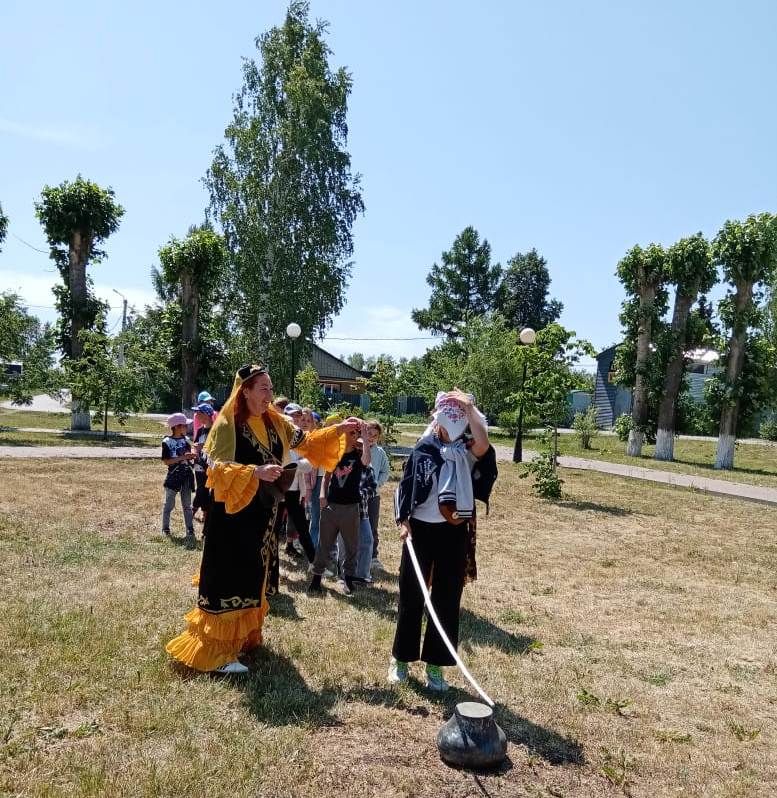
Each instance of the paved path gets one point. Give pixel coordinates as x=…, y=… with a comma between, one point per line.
x=718, y=487
x=83, y=452
x=608, y=433
x=87, y=433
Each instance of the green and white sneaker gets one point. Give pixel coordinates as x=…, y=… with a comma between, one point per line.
x=398, y=671
x=435, y=680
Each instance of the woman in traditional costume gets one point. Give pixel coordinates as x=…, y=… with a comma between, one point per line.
x=245, y=451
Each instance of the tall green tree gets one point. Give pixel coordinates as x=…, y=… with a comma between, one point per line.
x=355, y=359
x=690, y=269
x=25, y=340
x=384, y=387
x=3, y=226
x=550, y=374
x=484, y=360
x=488, y=362
x=309, y=391
x=110, y=383
x=77, y=217
x=463, y=286
x=191, y=274
x=747, y=253
x=282, y=189
x=523, y=293
x=643, y=274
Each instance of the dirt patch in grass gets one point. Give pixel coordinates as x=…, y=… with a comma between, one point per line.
x=626, y=633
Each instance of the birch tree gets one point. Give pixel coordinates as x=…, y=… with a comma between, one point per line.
x=282, y=190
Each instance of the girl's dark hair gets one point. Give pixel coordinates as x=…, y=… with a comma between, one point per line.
x=241, y=406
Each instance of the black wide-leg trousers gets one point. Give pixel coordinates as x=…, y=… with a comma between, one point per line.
x=441, y=550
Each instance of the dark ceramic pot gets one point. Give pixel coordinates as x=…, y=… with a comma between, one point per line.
x=471, y=738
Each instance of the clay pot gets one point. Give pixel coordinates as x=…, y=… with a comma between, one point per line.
x=471, y=738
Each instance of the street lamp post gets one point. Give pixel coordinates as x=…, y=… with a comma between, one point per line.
x=293, y=331
x=526, y=337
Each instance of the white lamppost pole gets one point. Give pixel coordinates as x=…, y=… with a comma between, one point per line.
x=526, y=337
x=293, y=331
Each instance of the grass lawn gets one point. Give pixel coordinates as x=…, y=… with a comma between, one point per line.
x=755, y=464
x=40, y=420
x=627, y=633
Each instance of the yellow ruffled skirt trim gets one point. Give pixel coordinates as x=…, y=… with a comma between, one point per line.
x=211, y=640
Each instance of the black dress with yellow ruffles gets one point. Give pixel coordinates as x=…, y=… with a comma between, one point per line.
x=240, y=546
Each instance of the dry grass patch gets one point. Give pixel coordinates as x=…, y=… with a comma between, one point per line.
x=626, y=632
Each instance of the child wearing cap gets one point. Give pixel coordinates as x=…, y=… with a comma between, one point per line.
x=340, y=500
x=203, y=421
x=203, y=398
x=177, y=455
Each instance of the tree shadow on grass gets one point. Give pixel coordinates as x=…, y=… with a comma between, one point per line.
x=282, y=606
x=571, y=504
x=181, y=541
x=710, y=467
x=553, y=747
x=475, y=630
x=277, y=695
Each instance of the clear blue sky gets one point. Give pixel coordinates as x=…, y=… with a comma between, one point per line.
x=576, y=128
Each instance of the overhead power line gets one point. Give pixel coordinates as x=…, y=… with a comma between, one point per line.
x=27, y=244
x=415, y=338
x=54, y=307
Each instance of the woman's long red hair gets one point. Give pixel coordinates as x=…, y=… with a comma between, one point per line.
x=241, y=405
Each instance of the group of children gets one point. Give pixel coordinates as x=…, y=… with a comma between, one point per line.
x=331, y=519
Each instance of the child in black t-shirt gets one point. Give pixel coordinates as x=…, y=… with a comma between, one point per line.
x=340, y=500
x=203, y=421
x=177, y=455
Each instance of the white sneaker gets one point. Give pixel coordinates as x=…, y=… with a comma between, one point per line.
x=329, y=573
x=376, y=565
x=233, y=668
x=398, y=672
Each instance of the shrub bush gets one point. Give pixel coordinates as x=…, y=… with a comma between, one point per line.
x=623, y=426
x=695, y=418
x=584, y=424
x=768, y=429
x=547, y=483
x=508, y=421
x=344, y=409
